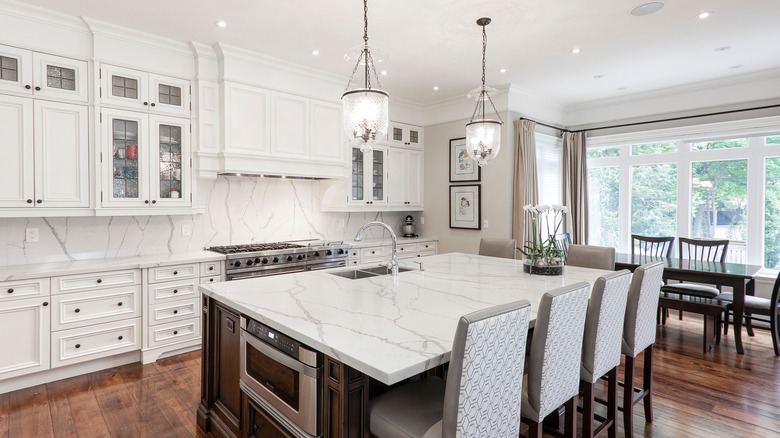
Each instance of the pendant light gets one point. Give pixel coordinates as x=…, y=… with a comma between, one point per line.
x=483, y=136
x=364, y=110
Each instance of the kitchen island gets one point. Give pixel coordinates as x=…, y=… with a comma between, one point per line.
x=384, y=328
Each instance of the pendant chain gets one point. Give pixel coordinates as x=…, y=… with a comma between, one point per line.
x=366, y=57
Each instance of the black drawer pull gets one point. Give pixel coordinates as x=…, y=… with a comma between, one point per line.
x=45, y=303
x=176, y=291
x=78, y=345
x=27, y=87
x=99, y=280
x=175, y=272
x=175, y=332
x=211, y=268
x=11, y=290
x=119, y=304
x=77, y=310
x=37, y=88
x=175, y=312
x=211, y=280
x=121, y=337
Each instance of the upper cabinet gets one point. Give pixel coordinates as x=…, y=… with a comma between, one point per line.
x=145, y=160
x=405, y=178
x=43, y=76
x=272, y=133
x=368, y=184
x=141, y=91
x=403, y=135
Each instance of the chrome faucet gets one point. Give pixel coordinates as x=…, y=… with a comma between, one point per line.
x=393, y=265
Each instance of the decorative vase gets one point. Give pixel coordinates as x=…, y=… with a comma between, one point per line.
x=543, y=265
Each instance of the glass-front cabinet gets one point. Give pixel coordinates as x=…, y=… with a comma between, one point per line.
x=42, y=75
x=146, y=160
x=142, y=91
x=368, y=177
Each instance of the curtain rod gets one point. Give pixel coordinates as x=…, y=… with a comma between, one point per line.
x=671, y=119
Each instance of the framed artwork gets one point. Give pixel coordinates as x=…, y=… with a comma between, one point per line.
x=465, y=207
x=462, y=167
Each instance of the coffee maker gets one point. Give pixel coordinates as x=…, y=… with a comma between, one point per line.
x=409, y=227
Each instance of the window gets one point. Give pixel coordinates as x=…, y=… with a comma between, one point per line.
x=701, y=181
x=548, y=171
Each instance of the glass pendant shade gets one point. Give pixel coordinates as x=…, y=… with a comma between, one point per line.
x=483, y=138
x=365, y=116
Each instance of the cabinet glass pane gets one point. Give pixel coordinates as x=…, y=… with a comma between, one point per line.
x=60, y=77
x=170, y=161
x=414, y=136
x=357, y=174
x=125, y=155
x=378, y=172
x=9, y=68
x=169, y=95
x=124, y=87
x=398, y=134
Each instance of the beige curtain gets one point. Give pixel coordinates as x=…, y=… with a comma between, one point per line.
x=526, y=189
x=575, y=185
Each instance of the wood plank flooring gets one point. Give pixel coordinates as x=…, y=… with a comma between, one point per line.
x=717, y=394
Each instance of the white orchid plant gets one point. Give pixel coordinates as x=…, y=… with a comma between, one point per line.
x=542, y=246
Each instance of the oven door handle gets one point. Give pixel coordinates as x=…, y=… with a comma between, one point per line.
x=280, y=357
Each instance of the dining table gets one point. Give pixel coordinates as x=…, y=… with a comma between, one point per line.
x=740, y=277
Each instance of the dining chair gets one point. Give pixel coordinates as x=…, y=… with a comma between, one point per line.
x=760, y=306
x=553, y=375
x=506, y=248
x=652, y=246
x=481, y=397
x=639, y=336
x=561, y=242
x=601, y=348
x=590, y=256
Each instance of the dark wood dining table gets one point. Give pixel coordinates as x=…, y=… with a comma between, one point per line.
x=738, y=276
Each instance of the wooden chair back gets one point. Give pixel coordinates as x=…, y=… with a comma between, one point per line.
x=562, y=242
x=652, y=246
x=703, y=250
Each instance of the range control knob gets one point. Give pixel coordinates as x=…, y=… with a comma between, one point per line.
x=276, y=259
x=249, y=262
x=289, y=258
x=265, y=261
x=316, y=253
x=341, y=251
x=328, y=252
x=237, y=263
x=258, y=261
x=300, y=256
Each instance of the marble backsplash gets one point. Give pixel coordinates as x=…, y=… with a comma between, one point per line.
x=238, y=210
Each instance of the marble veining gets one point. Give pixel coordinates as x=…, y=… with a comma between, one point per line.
x=389, y=328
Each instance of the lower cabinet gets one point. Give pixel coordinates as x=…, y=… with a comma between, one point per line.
x=24, y=334
x=94, y=341
x=384, y=253
x=258, y=424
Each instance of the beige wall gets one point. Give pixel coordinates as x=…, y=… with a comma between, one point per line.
x=496, y=189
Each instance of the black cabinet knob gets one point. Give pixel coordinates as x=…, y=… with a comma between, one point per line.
x=211, y=268
x=120, y=337
x=176, y=291
x=153, y=104
x=27, y=87
x=154, y=201
x=45, y=303
x=78, y=345
x=175, y=312
x=11, y=290
x=146, y=103
x=29, y=201
x=146, y=201
x=119, y=304
x=175, y=272
x=37, y=88
x=99, y=280
x=211, y=280
x=175, y=332
x=77, y=310
x=39, y=201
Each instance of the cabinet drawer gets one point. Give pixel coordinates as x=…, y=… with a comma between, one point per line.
x=95, y=341
x=175, y=311
x=354, y=262
x=214, y=279
x=405, y=249
x=427, y=246
x=354, y=253
x=173, y=290
x=98, y=280
x=94, y=307
x=38, y=287
x=167, y=273
x=426, y=253
x=375, y=252
x=211, y=268
x=174, y=332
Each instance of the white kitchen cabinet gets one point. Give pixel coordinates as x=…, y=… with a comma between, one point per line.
x=289, y=126
x=42, y=75
x=383, y=253
x=401, y=134
x=141, y=91
x=95, y=341
x=145, y=160
x=368, y=185
x=405, y=184
x=24, y=335
x=327, y=143
x=247, y=115
x=95, y=307
x=45, y=148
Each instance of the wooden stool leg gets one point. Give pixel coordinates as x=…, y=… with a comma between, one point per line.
x=587, y=409
x=534, y=429
x=570, y=423
x=775, y=335
x=628, y=397
x=726, y=323
x=648, y=384
x=612, y=402
x=709, y=334
x=749, y=325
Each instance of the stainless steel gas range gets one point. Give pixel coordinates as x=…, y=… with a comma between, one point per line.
x=262, y=259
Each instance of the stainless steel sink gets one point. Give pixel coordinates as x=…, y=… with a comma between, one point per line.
x=367, y=272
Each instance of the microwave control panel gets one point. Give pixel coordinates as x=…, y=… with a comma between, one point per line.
x=281, y=342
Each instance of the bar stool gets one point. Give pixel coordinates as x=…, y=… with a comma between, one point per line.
x=553, y=376
x=505, y=248
x=601, y=348
x=590, y=256
x=481, y=397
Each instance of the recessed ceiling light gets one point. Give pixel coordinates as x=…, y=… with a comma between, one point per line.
x=315, y=52
x=220, y=23
x=703, y=15
x=575, y=50
x=647, y=9
x=435, y=88
x=598, y=76
x=503, y=70
x=722, y=49
x=383, y=73
x=734, y=67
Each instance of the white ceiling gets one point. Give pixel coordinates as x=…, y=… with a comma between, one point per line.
x=437, y=42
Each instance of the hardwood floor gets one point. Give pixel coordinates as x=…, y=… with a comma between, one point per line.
x=717, y=394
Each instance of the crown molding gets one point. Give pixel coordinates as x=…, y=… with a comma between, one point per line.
x=126, y=34
x=201, y=50
x=43, y=16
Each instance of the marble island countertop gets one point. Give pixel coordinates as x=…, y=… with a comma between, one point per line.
x=37, y=270
x=389, y=328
